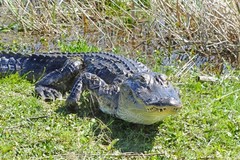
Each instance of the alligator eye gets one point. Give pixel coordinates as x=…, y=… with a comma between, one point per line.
x=145, y=78
x=162, y=79
x=142, y=79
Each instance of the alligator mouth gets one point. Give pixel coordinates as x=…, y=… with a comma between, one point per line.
x=163, y=109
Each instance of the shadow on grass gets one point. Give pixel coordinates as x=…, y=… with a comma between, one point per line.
x=130, y=137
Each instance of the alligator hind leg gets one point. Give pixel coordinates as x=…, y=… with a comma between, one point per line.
x=52, y=85
x=89, y=81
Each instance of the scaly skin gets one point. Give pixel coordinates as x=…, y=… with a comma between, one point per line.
x=123, y=87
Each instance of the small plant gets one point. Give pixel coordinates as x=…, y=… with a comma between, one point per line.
x=77, y=46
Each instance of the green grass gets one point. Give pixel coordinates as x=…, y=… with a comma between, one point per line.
x=208, y=126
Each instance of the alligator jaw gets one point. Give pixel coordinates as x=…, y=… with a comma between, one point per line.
x=147, y=116
x=163, y=109
x=172, y=107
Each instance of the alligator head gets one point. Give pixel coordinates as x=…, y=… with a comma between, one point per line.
x=147, y=98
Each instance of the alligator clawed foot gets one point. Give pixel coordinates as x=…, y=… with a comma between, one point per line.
x=71, y=105
x=48, y=94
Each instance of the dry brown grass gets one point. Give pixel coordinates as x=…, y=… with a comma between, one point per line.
x=207, y=27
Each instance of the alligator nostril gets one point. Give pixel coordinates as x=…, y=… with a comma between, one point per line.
x=175, y=102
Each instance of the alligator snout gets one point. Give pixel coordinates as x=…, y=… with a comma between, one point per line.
x=175, y=103
x=168, y=101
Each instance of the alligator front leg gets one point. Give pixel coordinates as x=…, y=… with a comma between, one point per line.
x=92, y=82
x=51, y=86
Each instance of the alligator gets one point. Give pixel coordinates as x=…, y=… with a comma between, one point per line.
x=124, y=88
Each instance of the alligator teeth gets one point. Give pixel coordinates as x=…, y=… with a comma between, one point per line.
x=152, y=109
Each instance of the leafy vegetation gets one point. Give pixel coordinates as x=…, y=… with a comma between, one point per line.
x=208, y=126
x=77, y=46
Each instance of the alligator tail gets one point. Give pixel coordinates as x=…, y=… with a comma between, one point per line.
x=31, y=66
x=10, y=63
